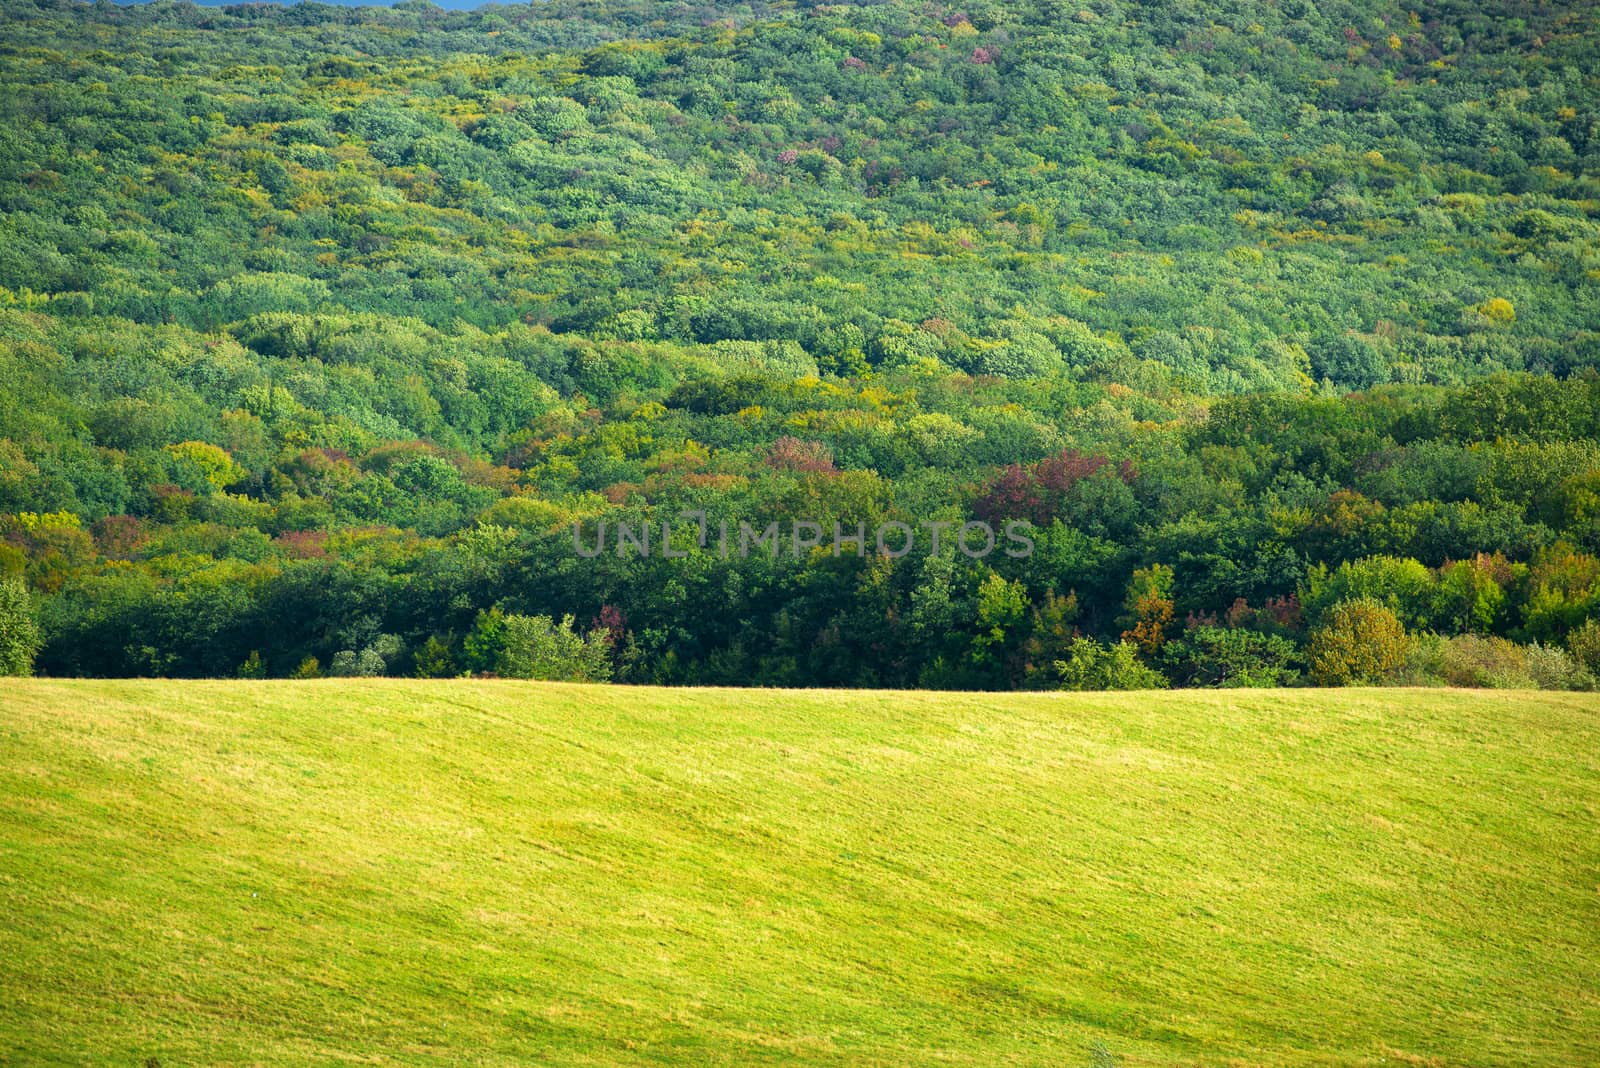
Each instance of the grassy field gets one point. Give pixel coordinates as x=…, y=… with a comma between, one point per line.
x=393, y=872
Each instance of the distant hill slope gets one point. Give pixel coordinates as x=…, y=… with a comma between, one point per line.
x=493, y=873
x=1224, y=190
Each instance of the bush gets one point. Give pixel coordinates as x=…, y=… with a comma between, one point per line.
x=347, y=663
x=19, y=634
x=1360, y=641
x=1553, y=669
x=1584, y=645
x=1483, y=663
x=1476, y=662
x=1092, y=666
x=1422, y=662
x=372, y=660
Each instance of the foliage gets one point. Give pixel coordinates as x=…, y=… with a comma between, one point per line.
x=1049, y=639
x=536, y=647
x=1091, y=665
x=1147, y=608
x=1231, y=656
x=1359, y=641
x=371, y=659
x=19, y=633
x=1471, y=660
x=483, y=649
x=435, y=659
x=252, y=668
x=1551, y=668
x=1584, y=645
x=321, y=328
x=1493, y=663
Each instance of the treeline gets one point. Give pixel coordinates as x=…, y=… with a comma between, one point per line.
x=1173, y=541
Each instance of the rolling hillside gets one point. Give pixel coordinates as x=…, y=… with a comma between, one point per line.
x=392, y=872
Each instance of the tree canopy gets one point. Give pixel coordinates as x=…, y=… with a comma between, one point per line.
x=322, y=328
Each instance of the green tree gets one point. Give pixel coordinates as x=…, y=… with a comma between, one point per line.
x=1349, y=361
x=1232, y=656
x=536, y=647
x=211, y=466
x=1002, y=607
x=1405, y=586
x=372, y=659
x=483, y=646
x=19, y=633
x=1584, y=645
x=1092, y=666
x=1050, y=639
x=435, y=659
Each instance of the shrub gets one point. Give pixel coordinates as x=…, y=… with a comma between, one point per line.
x=1092, y=666
x=1495, y=663
x=347, y=663
x=372, y=660
x=1360, y=641
x=1553, y=669
x=1483, y=663
x=19, y=634
x=1584, y=645
x=1422, y=662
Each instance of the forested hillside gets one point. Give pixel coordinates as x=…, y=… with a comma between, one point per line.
x=320, y=328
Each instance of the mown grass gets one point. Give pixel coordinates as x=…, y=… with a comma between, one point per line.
x=398, y=872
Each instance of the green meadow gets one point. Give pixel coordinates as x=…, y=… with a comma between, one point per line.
x=497, y=873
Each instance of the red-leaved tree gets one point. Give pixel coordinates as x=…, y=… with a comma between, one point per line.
x=1038, y=492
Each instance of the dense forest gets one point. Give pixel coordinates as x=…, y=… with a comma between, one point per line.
x=322, y=329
